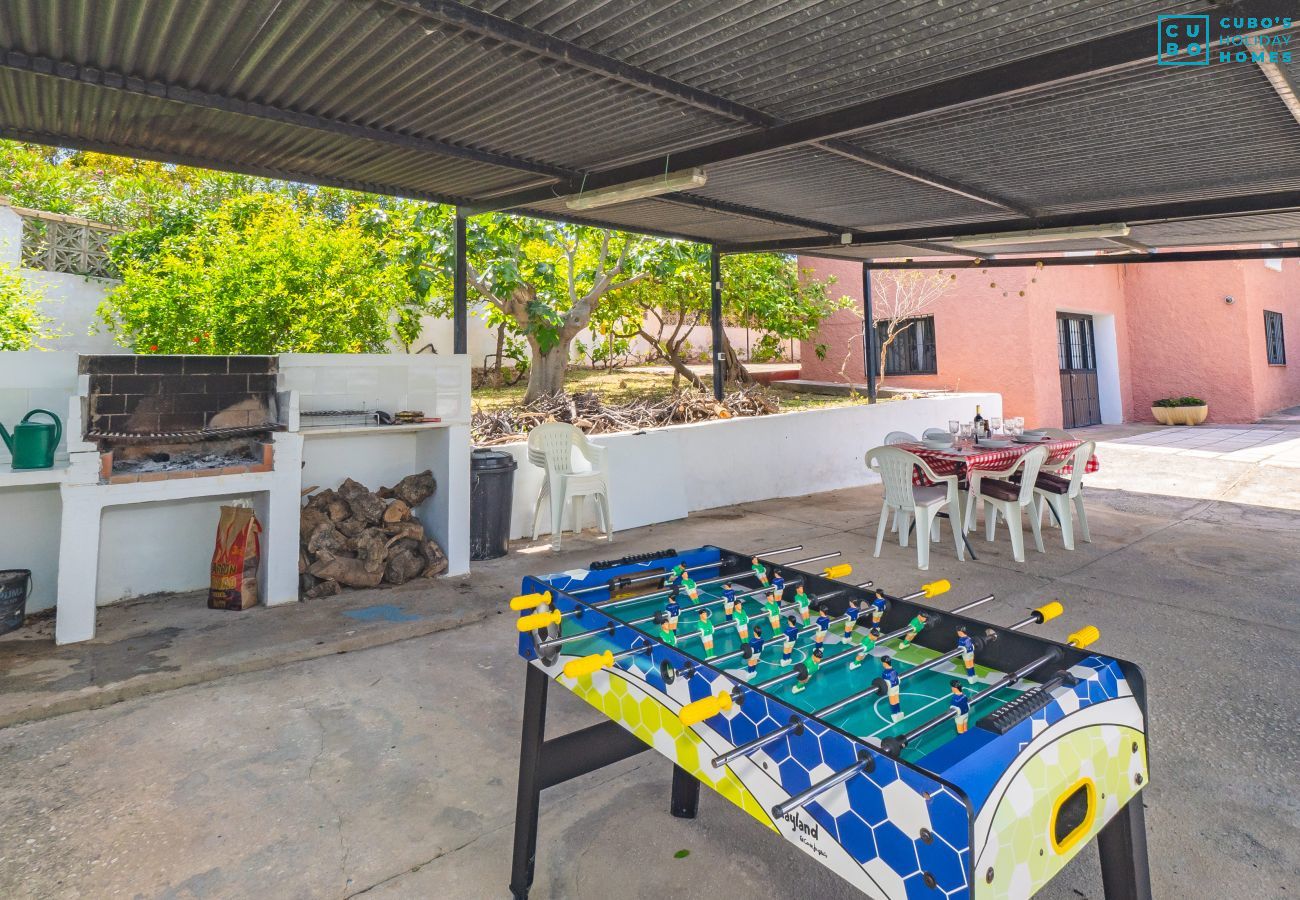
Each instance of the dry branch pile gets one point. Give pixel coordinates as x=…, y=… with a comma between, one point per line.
x=353, y=537
x=590, y=413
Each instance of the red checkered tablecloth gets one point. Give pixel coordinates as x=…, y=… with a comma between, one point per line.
x=956, y=462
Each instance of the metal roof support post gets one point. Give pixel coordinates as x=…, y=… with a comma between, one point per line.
x=715, y=319
x=460, y=314
x=868, y=334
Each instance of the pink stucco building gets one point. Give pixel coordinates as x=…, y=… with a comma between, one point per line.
x=1076, y=345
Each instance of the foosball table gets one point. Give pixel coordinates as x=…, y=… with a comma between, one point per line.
x=915, y=751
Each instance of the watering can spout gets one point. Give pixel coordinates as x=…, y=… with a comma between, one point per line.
x=9, y=442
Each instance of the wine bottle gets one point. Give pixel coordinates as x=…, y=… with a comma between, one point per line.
x=980, y=424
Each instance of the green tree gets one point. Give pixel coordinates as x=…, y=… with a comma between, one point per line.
x=22, y=325
x=259, y=274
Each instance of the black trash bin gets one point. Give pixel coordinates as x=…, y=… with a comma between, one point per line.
x=15, y=585
x=491, y=496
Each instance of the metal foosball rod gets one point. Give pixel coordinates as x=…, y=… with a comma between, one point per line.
x=796, y=723
x=638, y=579
x=1044, y=613
x=864, y=763
x=721, y=579
x=896, y=744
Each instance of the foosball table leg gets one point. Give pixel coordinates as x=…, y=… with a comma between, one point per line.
x=1122, y=845
x=686, y=794
x=530, y=784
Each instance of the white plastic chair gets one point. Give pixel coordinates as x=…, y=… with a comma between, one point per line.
x=895, y=468
x=899, y=437
x=1056, y=434
x=1009, y=499
x=575, y=468
x=941, y=434
x=1057, y=491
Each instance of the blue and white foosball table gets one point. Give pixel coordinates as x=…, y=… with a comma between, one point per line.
x=915, y=751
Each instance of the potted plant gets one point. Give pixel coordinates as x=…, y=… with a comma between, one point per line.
x=1180, y=411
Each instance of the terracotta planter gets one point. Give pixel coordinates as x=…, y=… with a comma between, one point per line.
x=1180, y=415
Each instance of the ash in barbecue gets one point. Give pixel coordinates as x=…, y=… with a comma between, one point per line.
x=173, y=462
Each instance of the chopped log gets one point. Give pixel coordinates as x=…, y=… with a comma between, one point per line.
x=405, y=544
x=323, y=499
x=352, y=527
x=326, y=588
x=384, y=493
x=415, y=489
x=401, y=530
x=368, y=507
x=338, y=510
x=372, y=548
x=349, y=572
x=403, y=566
x=309, y=519
x=326, y=538
x=435, y=560
x=397, y=511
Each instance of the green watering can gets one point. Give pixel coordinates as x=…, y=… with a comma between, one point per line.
x=32, y=443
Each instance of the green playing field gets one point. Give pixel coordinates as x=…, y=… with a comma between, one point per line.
x=922, y=697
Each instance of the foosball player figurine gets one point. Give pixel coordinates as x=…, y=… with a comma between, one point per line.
x=823, y=624
x=672, y=609
x=868, y=644
x=691, y=588
x=878, y=606
x=804, y=602
x=961, y=703
x=850, y=620
x=806, y=671
x=890, y=677
x=706, y=631
x=967, y=648
x=729, y=600
x=742, y=621
x=677, y=573
x=791, y=635
x=666, y=634
x=778, y=587
x=760, y=571
x=913, y=629
x=753, y=651
x=773, y=612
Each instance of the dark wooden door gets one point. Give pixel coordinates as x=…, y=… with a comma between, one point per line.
x=1078, y=357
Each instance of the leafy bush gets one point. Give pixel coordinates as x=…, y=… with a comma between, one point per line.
x=1170, y=402
x=22, y=326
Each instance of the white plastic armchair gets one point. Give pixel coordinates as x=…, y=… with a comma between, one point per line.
x=895, y=467
x=575, y=468
x=941, y=434
x=1056, y=492
x=899, y=437
x=1056, y=434
x=1010, y=498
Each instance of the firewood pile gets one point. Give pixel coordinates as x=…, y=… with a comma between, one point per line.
x=357, y=538
x=590, y=413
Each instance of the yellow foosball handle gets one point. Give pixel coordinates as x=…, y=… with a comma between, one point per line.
x=1049, y=611
x=576, y=668
x=841, y=571
x=539, y=620
x=529, y=601
x=935, y=588
x=694, y=713
x=1084, y=636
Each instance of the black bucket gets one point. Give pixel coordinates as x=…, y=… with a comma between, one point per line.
x=15, y=585
x=491, y=495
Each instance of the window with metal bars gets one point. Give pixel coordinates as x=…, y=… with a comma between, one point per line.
x=1273, y=338
x=912, y=351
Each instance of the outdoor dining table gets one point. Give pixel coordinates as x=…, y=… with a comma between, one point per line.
x=961, y=459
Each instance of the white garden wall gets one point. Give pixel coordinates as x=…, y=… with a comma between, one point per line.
x=664, y=474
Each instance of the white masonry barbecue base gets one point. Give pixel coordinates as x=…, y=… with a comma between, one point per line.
x=275, y=500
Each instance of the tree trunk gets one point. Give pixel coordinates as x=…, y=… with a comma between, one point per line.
x=736, y=370
x=546, y=371
x=501, y=345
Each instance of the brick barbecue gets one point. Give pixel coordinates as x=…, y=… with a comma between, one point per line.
x=157, y=417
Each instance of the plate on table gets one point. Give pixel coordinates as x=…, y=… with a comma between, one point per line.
x=1030, y=438
x=993, y=443
x=937, y=444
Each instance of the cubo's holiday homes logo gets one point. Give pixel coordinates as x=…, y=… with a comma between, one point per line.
x=1187, y=40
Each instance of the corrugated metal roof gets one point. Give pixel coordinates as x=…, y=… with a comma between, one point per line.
x=477, y=101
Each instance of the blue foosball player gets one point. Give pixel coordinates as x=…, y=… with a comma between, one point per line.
x=729, y=600
x=759, y=570
x=890, y=677
x=672, y=609
x=868, y=644
x=806, y=671
x=878, y=606
x=961, y=703
x=791, y=635
x=823, y=624
x=967, y=647
x=753, y=651
x=778, y=587
x=851, y=619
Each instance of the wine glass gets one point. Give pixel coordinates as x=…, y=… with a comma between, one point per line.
x=967, y=431
x=995, y=425
x=954, y=428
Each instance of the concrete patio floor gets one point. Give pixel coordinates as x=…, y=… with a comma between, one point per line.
x=390, y=771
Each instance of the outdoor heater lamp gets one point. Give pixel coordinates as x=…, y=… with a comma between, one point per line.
x=1040, y=236
x=667, y=183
